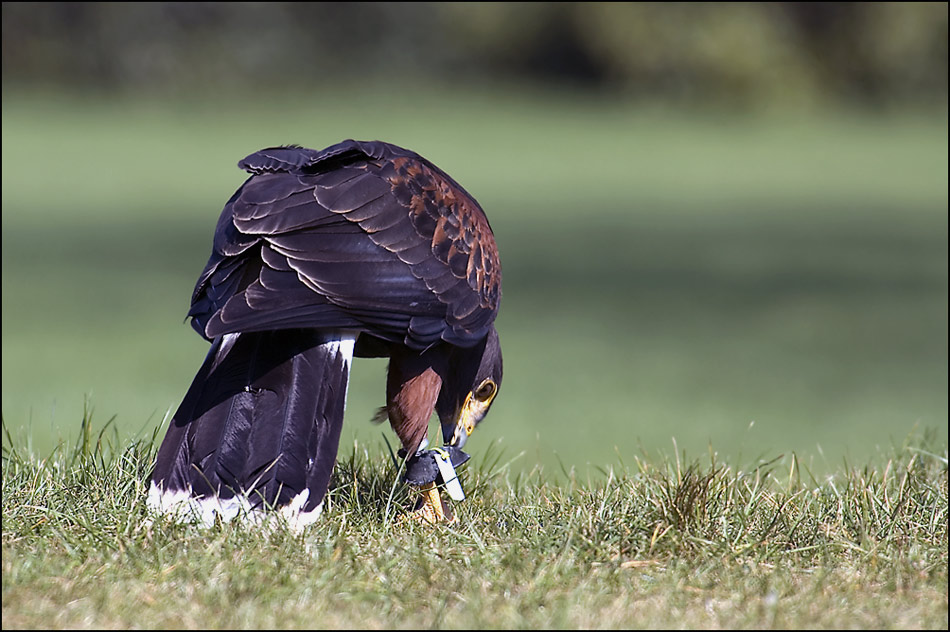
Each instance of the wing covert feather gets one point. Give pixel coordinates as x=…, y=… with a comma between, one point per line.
x=359, y=233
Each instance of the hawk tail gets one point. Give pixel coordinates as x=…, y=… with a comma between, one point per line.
x=257, y=430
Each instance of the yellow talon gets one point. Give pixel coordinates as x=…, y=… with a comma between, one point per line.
x=430, y=507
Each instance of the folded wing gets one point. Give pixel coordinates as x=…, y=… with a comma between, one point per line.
x=360, y=236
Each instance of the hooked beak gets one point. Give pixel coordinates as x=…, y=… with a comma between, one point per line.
x=456, y=433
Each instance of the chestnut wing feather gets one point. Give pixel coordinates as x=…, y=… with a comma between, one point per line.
x=364, y=236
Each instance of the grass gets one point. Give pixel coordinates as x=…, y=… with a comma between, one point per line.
x=769, y=290
x=666, y=542
x=761, y=283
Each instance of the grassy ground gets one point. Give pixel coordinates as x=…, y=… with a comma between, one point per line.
x=656, y=543
x=767, y=291
x=765, y=284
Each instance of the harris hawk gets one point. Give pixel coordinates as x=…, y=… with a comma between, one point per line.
x=362, y=249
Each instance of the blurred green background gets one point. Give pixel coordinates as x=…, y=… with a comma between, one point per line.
x=720, y=224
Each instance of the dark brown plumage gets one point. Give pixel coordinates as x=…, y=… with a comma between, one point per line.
x=365, y=249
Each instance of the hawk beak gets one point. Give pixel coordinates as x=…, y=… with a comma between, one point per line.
x=456, y=433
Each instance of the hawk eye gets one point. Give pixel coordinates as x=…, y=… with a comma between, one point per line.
x=485, y=391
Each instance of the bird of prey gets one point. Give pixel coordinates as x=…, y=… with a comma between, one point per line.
x=361, y=249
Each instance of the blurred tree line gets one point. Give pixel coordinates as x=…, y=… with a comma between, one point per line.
x=741, y=54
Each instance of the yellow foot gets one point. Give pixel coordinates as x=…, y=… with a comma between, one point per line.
x=431, y=508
